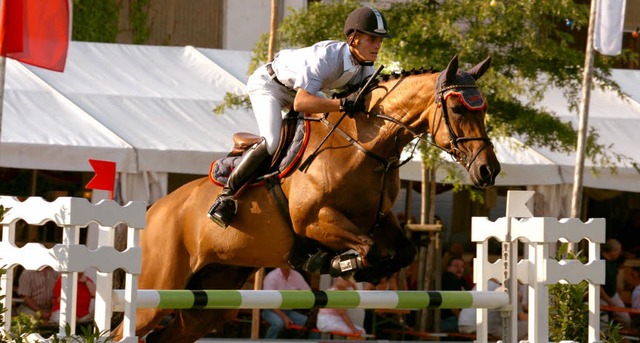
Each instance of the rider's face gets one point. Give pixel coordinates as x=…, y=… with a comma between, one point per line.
x=366, y=47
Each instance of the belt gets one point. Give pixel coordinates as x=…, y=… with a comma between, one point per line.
x=272, y=75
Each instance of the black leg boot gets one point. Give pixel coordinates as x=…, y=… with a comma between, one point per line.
x=225, y=206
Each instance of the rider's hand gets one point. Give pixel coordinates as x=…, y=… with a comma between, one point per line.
x=351, y=105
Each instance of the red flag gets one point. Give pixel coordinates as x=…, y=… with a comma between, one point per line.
x=35, y=32
x=105, y=177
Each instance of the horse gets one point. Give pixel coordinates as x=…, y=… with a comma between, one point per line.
x=341, y=200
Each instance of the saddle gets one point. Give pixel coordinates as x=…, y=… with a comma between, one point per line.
x=293, y=141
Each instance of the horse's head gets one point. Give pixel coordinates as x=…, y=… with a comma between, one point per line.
x=458, y=122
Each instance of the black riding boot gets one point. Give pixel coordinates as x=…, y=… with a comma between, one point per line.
x=225, y=206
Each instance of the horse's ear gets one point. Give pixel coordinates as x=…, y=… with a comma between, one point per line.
x=452, y=70
x=480, y=68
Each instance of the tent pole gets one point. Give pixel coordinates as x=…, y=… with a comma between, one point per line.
x=576, y=199
x=3, y=65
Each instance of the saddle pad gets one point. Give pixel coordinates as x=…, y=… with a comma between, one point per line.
x=221, y=169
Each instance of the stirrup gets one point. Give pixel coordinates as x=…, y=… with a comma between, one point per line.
x=223, y=210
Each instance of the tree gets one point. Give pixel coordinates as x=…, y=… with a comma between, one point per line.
x=532, y=43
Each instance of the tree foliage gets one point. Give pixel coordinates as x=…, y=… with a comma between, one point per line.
x=532, y=44
x=98, y=20
x=95, y=20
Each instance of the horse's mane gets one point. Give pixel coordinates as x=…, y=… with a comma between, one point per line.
x=385, y=78
x=403, y=73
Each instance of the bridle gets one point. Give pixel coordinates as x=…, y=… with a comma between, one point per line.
x=454, y=141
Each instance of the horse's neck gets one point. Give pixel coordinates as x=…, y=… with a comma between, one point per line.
x=410, y=100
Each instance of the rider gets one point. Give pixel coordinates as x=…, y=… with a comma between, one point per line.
x=295, y=78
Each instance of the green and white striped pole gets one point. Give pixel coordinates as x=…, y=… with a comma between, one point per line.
x=269, y=299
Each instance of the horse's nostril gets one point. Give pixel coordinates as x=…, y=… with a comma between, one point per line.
x=485, y=173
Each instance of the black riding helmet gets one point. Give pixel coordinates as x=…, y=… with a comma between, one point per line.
x=367, y=20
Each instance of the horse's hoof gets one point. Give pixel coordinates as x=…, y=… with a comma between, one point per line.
x=318, y=263
x=366, y=275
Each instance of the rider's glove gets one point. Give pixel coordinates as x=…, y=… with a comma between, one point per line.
x=351, y=105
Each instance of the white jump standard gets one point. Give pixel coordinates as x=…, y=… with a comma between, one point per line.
x=537, y=270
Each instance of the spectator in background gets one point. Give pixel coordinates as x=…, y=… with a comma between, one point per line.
x=453, y=280
x=36, y=289
x=456, y=250
x=279, y=319
x=84, y=301
x=338, y=319
x=611, y=252
x=635, y=295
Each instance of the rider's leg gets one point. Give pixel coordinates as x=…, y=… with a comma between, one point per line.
x=267, y=100
x=225, y=206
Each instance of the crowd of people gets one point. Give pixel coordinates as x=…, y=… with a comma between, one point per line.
x=39, y=295
x=454, y=277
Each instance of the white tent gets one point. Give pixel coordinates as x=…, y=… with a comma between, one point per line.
x=617, y=122
x=148, y=108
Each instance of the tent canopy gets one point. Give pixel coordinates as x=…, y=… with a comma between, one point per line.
x=148, y=108
x=616, y=121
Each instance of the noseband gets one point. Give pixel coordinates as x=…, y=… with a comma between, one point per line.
x=454, y=141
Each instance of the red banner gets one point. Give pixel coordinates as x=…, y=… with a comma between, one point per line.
x=35, y=32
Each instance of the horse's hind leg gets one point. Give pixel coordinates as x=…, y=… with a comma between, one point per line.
x=190, y=325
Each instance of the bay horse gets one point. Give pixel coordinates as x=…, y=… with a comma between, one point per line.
x=342, y=199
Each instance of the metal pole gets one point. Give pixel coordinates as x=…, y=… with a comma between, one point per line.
x=273, y=29
x=422, y=262
x=255, y=313
x=3, y=66
x=576, y=200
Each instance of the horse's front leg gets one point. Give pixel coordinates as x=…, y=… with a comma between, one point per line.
x=336, y=232
x=392, y=251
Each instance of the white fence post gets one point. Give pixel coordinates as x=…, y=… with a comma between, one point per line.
x=540, y=269
x=69, y=257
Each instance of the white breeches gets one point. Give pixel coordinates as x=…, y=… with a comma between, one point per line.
x=271, y=102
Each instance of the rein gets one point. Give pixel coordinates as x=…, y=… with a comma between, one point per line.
x=387, y=164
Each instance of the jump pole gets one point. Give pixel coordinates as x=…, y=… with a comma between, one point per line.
x=270, y=299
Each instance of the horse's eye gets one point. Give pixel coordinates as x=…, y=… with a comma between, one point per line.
x=459, y=109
